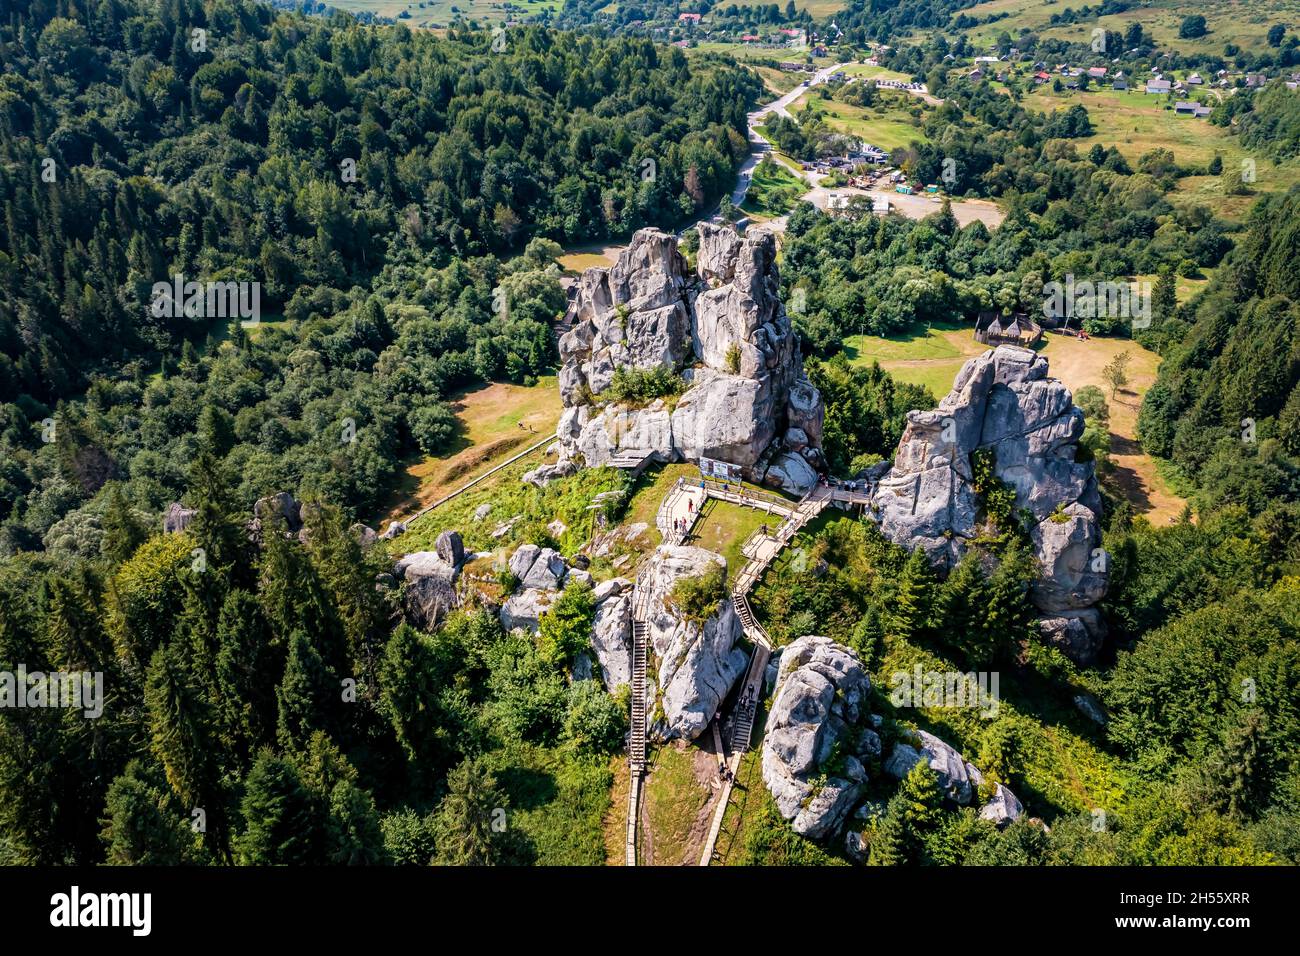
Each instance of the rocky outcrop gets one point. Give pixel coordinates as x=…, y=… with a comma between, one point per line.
x=1002, y=808
x=430, y=588
x=279, y=509
x=821, y=690
x=611, y=632
x=698, y=661
x=1004, y=404
x=721, y=327
x=959, y=779
x=451, y=548
x=524, y=609
x=177, y=518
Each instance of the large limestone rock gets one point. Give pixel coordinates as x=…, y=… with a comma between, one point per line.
x=821, y=689
x=280, y=508
x=177, y=518
x=523, y=609
x=450, y=548
x=958, y=779
x=611, y=632
x=1004, y=403
x=722, y=327
x=698, y=662
x=430, y=590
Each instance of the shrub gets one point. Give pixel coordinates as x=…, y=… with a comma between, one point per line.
x=695, y=598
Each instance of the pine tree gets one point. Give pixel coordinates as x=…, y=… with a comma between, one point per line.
x=910, y=613
x=282, y=820
x=142, y=827
x=307, y=697
x=466, y=817
x=124, y=530
x=1164, y=298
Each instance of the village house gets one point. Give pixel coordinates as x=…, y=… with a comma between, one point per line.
x=1158, y=86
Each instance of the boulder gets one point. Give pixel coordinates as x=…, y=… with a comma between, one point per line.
x=450, y=548
x=522, y=560
x=525, y=607
x=698, y=661
x=364, y=535
x=547, y=571
x=430, y=589
x=1078, y=634
x=792, y=474
x=611, y=639
x=610, y=588
x=1002, y=808
x=393, y=530
x=821, y=688
x=957, y=779
x=482, y=511
x=1065, y=543
x=177, y=518
x=280, y=507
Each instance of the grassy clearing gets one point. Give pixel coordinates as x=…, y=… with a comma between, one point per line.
x=496, y=421
x=724, y=527
x=930, y=358
x=558, y=803
x=1078, y=363
x=773, y=190
x=674, y=803
x=1136, y=123
x=889, y=125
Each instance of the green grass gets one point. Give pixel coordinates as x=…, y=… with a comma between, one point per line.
x=674, y=800
x=929, y=357
x=773, y=190
x=724, y=528
x=1242, y=22
x=889, y=124
x=1136, y=123
x=440, y=13
x=558, y=802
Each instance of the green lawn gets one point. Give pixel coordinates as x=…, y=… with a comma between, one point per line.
x=773, y=190
x=1136, y=123
x=724, y=528
x=889, y=124
x=929, y=357
x=674, y=800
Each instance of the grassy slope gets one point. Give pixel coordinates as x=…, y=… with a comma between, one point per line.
x=1243, y=22
x=490, y=433
x=773, y=190
x=889, y=125
x=1136, y=123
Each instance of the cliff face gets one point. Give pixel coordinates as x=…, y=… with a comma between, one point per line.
x=1004, y=403
x=723, y=329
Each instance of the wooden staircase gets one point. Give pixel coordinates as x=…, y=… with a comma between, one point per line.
x=636, y=745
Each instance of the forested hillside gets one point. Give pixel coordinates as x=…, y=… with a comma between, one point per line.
x=367, y=178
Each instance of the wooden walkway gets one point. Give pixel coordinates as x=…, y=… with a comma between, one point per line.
x=675, y=519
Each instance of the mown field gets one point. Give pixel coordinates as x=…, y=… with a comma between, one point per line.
x=892, y=124
x=1136, y=123
x=496, y=421
x=1240, y=22
x=440, y=13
